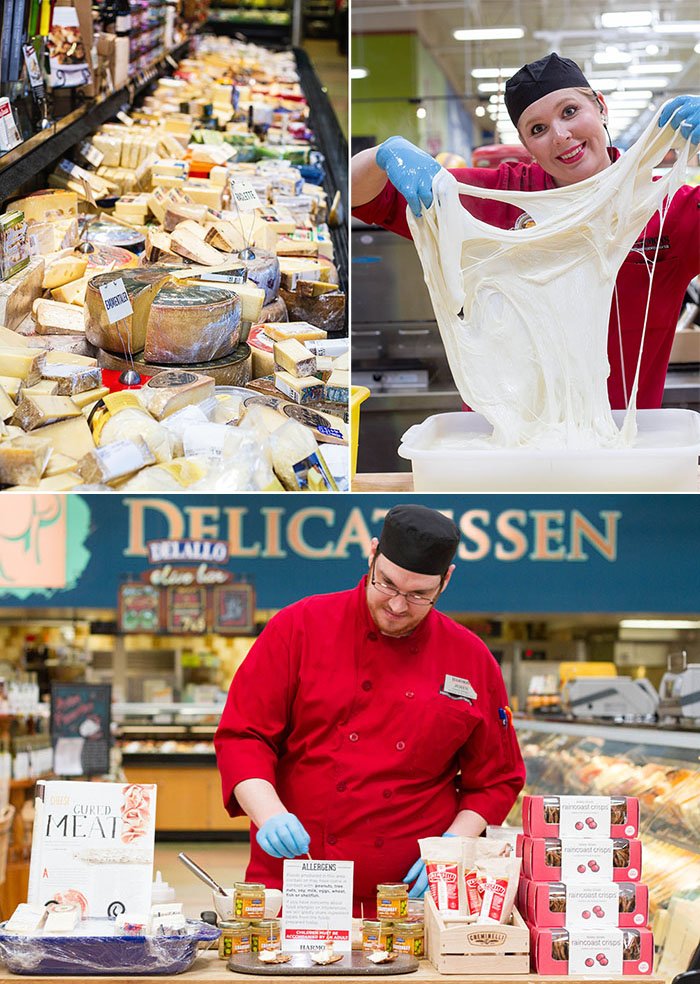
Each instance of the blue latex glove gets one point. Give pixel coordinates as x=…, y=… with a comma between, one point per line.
x=283, y=836
x=410, y=170
x=684, y=112
x=420, y=875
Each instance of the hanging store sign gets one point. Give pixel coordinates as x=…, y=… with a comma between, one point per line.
x=517, y=554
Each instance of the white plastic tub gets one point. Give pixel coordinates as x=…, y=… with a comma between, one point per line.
x=667, y=461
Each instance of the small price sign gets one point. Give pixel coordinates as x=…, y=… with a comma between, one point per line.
x=245, y=196
x=116, y=300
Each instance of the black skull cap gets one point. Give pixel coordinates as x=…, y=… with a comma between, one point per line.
x=419, y=539
x=539, y=78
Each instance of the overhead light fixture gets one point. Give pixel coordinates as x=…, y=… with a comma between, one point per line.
x=493, y=73
x=488, y=87
x=652, y=49
x=489, y=34
x=626, y=18
x=612, y=56
x=696, y=49
x=658, y=623
x=657, y=82
x=677, y=27
x=651, y=67
x=421, y=112
x=627, y=97
x=605, y=85
x=480, y=111
x=359, y=73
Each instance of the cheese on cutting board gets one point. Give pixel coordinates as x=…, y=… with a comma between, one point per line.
x=192, y=322
x=171, y=390
x=291, y=355
x=19, y=293
x=58, y=318
x=304, y=389
x=129, y=334
x=21, y=464
x=36, y=409
x=62, y=270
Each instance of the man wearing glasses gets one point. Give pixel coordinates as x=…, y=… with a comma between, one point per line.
x=363, y=720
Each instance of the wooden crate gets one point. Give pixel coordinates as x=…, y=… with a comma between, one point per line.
x=464, y=948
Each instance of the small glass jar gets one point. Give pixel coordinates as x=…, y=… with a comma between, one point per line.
x=249, y=900
x=265, y=935
x=392, y=900
x=376, y=935
x=235, y=938
x=408, y=938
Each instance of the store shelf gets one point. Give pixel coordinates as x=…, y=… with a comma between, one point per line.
x=652, y=734
x=42, y=150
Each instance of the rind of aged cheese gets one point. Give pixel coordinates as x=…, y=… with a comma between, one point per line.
x=192, y=322
x=291, y=356
x=23, y=464
x=278, y=331
x=19, y=293
x=36, y=409
x=73, y=379
x=302, y=390
x=128, y=335
x=58, y=318
x=171, y=390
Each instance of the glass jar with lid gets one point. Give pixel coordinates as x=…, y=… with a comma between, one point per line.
x=235, y=938
x=392, y=900
x=376, y=935
x=409, y=937
x=265, y=935
x=249, y=900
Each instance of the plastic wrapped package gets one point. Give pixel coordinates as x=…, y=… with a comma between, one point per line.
x=173, y=476
x=325, y=311
x=297, y=460
x=192, y=323
x=132, y=422
x=177, y=423
x=98, y=951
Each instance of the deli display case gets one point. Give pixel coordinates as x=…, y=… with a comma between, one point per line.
x=659, y=767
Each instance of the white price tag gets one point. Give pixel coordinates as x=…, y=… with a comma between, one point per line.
x=116, y=300
x=245, y=196
x=88, y=191
x=91, y=154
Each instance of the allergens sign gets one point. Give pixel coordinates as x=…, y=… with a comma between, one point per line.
x=317, y=905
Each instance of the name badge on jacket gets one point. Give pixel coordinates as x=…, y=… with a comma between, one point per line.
x=458, y=688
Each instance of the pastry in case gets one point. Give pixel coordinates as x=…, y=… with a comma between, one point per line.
x=545, y=903
x=585, y=953
x=583, y=816
x=582, y=861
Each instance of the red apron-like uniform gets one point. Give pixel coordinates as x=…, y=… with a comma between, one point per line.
x=350, y=727
x=678, y=261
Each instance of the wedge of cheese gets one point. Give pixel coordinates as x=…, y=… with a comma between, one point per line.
x=8, y=337
x=252, y=297
x=115, y=460
x=36, y=409
x=304, y=389
x=72, y=379
x=23, y=363
x=291, y=356
x=301, y=330
x=11, y=385
x=72, y=293
x=19, y=293
x=158, y=246
x=55, y=356
x=58, y=318
x=84, y=400
x=71, y=437
x=47, y=387
x=338, y=386
x=59, y=464
x=48, y=204
x=53, y=483
x=22, y=463
x=187, y=244
x=63, y=270
x=7, y=405
x=169, y=391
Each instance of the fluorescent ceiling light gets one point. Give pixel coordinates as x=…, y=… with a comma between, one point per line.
x=658, y=623
x=652, y=49
x=489, y=34
x=493, y=73
x=480, y=111
x=421, y=112
x=630, y=97
x=627, y=18
x=488, y=87
x=677, y=27
x=359, y=73
x=652, y=67
x=612, y=56
x=655, y=83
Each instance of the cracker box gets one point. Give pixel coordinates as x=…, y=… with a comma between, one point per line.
x=580, y=816
x=612, y=905
x=582, y=862
x=592, y=953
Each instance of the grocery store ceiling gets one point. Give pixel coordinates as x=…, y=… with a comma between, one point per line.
x=657, y=59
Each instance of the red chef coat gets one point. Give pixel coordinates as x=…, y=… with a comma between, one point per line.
x=678, y=261
x=350, y=727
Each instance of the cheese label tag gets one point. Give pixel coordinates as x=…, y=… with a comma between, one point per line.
x=91, y=154
x=116, y=300
x=88, y=191
x=458, y=687
x=245, y=196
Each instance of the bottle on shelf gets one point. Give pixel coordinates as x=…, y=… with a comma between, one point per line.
x=122, y=13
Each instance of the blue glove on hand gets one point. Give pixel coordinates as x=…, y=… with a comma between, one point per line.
x=283, y=836
x=420, y=875
x=410, y=170
x=684, y=112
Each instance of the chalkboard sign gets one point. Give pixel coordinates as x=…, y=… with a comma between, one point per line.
x=81, y=715
x=186, y=609
x=234, y=609
x=139, y=607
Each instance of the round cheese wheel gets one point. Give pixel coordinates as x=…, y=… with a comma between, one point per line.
x=129, y=334
x=232, y=370
x=325, y=311
x=274, y=311
x=113, y=234
x=113, y=257
x=192, y=323
x=264, y=272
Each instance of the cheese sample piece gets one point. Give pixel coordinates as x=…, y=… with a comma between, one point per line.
x=115, y=460
x=169, y=391
x=302, y=331
x=58, y=318
x=187, y=244
x=47, y=205
x=25, y=364
x=7, y=405
x=73, y=293
x=71, y=437
x=305, y=389
x=48, y=387
x=11, y=385
x=291, y=355
x=73, y=379
x=337, y=388
x=22, y=464
x=127, y=336
x=55, y=357
x=62, y=270
x=36, y=409
x=89, y=396
x=192, y=322
x=19, y=293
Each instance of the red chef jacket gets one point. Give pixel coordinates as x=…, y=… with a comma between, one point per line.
x=678, y=261
x=350, y=727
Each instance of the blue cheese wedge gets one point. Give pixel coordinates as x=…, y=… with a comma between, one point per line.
x=304, y=389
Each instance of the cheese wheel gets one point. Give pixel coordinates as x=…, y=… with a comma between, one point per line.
x=114, y=257
x=128, y=335
x=264, y=271
x=326, y=311
x=274, y=311
x=192, y=323
x=232, y=370
x=113, y=234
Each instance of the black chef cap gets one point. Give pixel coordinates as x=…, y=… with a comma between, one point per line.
x=418, y=539
x=539, y=78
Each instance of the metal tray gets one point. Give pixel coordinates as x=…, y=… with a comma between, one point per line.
x=353, y=964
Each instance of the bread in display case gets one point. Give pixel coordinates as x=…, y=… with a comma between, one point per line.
x=659, y=767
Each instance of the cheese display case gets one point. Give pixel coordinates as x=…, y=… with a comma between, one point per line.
x=659, y=767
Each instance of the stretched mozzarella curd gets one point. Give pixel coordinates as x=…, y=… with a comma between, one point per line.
x=523, y=314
